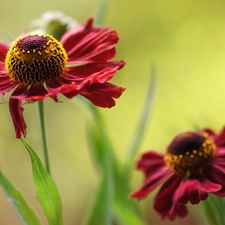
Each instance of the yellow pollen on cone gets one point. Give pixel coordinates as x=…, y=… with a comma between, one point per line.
x=35, y=59
x=191, y=160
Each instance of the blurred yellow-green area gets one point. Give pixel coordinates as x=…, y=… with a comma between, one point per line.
x=183, y=39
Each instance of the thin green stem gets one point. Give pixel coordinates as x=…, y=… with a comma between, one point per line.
x=222, y=219
x=40, y=112
x=99, y=18
x=141, y=127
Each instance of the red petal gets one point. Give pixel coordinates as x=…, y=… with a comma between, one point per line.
x=88, y=44
x=6, y=86
x=217, y=176
x=3, y=50
x=94, y=72
x=220, y=139
x=16, y=112
x=195, y=190
x=38, y=91
x=220, y=154
x=56, y=87
x=151, y=182
x=102, y=94
x=150, y=162
x=209, y=132
x=164, y=203
x=74, y=36
x=153, y=166
x=177, y=210
x=34, y=93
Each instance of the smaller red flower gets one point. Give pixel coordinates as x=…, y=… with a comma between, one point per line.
x=192, y=167
x=36, y=67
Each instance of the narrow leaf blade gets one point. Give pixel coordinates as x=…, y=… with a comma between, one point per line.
x=47, y=193
x=127, y=211
x=114, y=190
x=125, y=215
x=15, y=198
x=103, y=205
x=145, y=115
x=101, y=209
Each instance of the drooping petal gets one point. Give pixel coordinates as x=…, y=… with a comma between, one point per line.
x=102, y=95
x=89, y=44
x=153, y=166
x=151, y=182
x=217, y=176
x=177, y=210
x=195, y=190
x=3, y=50
x=16, y=112
x=164, y=203
x=38, y=92
x=33, y=93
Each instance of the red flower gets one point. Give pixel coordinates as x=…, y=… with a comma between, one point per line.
x=193, y=166
x=37, y=67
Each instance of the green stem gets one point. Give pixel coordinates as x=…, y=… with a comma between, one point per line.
x=222, y=221
x=143, y=121
x=99, y=18
x=40, y=111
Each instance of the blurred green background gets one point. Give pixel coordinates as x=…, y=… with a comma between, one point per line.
x=183, y=39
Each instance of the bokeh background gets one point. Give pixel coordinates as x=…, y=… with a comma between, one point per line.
x=183, y=39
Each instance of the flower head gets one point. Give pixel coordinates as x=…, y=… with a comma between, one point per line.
x=192, y=167
x=39, y=66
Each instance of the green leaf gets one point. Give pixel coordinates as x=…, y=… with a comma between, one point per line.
x=101, y=212
x=214, y=208
x=127, y=210
x=125, y=215
x=101, y=12
x=102, y=209
x=15, y=198
x=46, y=189
x=112, y=200
x=144, y=118
x=210, y=212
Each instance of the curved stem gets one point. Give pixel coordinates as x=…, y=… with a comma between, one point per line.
x=40, y=112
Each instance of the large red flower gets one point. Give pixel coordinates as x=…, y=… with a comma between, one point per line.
x=192, y=167
x=38, y=66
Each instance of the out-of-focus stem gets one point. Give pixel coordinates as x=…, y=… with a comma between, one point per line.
x=40, y=112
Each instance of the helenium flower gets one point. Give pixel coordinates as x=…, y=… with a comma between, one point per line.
x=192, y=167
x=36, y=67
